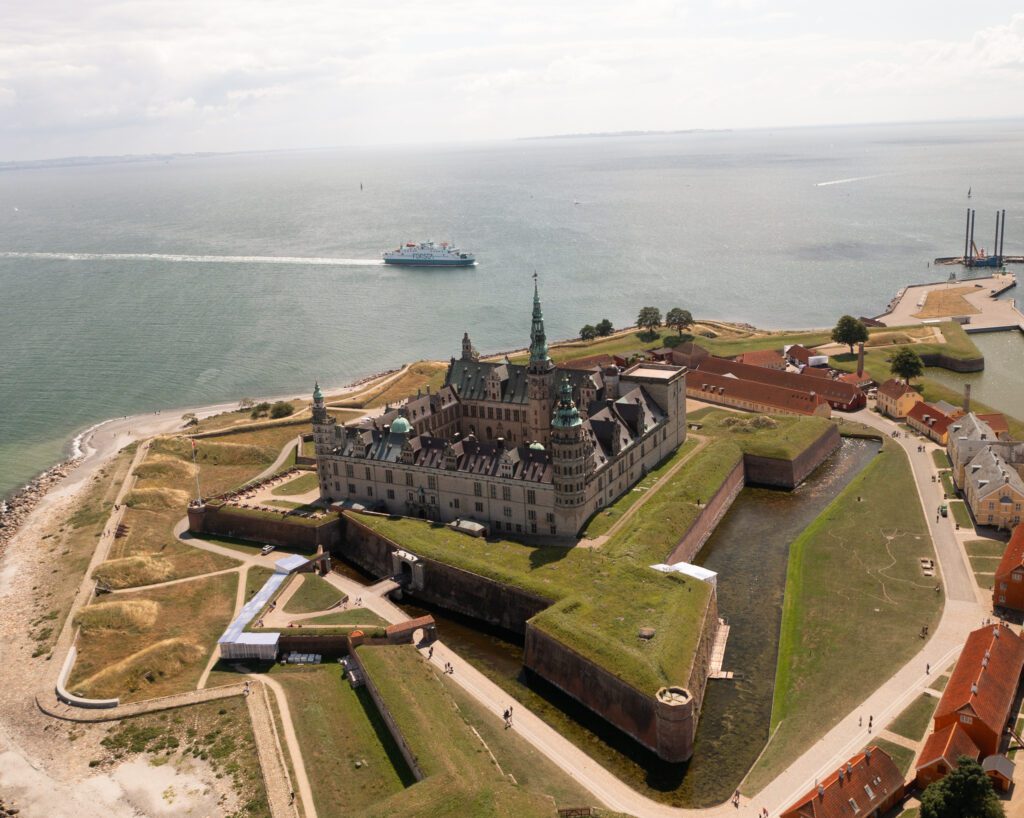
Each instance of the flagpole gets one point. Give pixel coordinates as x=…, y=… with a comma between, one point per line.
x=199, y=496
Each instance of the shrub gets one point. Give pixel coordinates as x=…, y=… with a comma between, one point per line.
x=281, y=409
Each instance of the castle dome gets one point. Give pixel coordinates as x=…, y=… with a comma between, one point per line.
x=537, y=446
x=401, y=426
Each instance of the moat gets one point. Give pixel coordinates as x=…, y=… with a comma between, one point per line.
x=751, y=558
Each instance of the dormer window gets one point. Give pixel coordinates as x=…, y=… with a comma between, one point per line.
x=965, y=719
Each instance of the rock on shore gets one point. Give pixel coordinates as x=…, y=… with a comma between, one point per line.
x=15, y=510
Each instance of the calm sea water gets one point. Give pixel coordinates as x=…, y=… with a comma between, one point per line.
x=778, y=228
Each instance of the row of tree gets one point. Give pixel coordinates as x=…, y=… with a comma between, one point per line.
x=602, y=329
x=905, y=363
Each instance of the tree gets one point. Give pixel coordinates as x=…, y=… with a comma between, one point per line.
x=246, y=403
x=281, y=409
x=604, y=328
x=678, y=319
x=906, y=364
x=849, y=331
x=965, y=793
x=588, y=333
x=649, y=318
x=190, y=419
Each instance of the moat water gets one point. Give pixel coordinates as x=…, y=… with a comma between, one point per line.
x=749, y=550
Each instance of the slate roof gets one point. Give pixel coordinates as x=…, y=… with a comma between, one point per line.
x=1013, y=556
x=1000, y=765
x=995, y=680
x=990, y=474
x=469, y=380
x=869, y=779
x=947, y=745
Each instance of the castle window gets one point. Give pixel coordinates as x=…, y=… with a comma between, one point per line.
x=478, y=490
x=369, y=491
x=506, y=493
x=455, y=503
x=531, y=514
x=335, y=465
x=533, y=528
x=479, y=507
x=369, y=476
x=490, y=413
x=493, y=492
x=550, y=517
x=349, y=470
x=508, y=414
x=431, y=482
x=408, y=478
x=554, y=529
x=507, y=511
x=389, y=476
x=531, y=497
x=351, y=488
x=391, y=494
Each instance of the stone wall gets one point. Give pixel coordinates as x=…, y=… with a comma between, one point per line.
x=446, y=586
x=788, y=474
x=710, y=515
x=666, y=728
x=330, y=646
x=227, y=521
x=954, y=364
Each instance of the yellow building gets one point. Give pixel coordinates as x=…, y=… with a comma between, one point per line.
x=896, y=399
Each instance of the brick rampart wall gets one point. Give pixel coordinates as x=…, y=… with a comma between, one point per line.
x=226, y=521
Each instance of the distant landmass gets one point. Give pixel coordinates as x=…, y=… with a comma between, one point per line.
x=605, y=134
x=77, y=161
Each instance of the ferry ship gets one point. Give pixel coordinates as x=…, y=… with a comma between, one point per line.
x=428, y=254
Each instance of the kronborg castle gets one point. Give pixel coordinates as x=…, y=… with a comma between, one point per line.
x=530, y=449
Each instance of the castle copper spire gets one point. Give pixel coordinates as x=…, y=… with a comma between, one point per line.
x=539, y=359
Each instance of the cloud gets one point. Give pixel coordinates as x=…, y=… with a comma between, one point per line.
x=114, y=77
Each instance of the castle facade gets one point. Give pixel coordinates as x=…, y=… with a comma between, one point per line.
x=530, y=450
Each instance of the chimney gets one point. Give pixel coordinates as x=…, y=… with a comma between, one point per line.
x=967, y=398
x=860, y=359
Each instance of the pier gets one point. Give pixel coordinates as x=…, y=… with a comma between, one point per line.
x=973, y=303
x=973, y=257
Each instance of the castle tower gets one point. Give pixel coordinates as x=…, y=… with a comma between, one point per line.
x=540, y=376
x=323, y=440
x=568, y=459
x=468, y=353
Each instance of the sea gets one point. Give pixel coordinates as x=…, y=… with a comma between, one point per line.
x=170, y=282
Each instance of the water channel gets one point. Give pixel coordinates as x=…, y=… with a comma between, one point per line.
x=749, y=549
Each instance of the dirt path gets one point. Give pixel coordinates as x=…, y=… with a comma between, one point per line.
x=275, y=771
x=305, y=792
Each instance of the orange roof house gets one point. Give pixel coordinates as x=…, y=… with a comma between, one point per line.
x=768, y=358
x=870, y=783
x=799, y=354
x=896, y=398
x=841, y=396
x=982, y=687
x=753, y=396
x=941, y=751
x=1008, y=584
x=930, y=421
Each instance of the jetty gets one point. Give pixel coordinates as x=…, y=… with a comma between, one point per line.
x=974, y=303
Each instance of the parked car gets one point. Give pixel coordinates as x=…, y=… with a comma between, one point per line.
x=267, y=549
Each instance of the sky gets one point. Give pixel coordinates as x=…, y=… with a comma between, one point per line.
x=84, y=78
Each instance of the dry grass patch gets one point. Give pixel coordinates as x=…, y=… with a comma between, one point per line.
x=167, y=656
x=118, y=615
x=157, y=499
x=418, y=376
x=944, y=303
x=130, y=572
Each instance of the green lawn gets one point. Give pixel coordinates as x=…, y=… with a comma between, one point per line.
x=985, y=548
x=300, y=485
x=984, y=565
x=853, y=570
x=914, y=721
x=256, y=579
x=460, y=777
x=941, y=459
x=315, y=594
x=903, y=756
x=339, y=727
x=940, y=684
x=354, y=616
x=780, y=436
x=947, y=484
x=960, y=514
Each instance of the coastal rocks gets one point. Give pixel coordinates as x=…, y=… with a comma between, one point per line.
x=8, y=807
x=15, y=510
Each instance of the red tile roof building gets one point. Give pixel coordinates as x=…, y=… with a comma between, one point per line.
x=941, y=751
x=868, y=784
x=768, y=358
x=1008, y=585
x=799, y=354
x=753, y=396
x=841, y=396
x=930, y=421
x=896, y=398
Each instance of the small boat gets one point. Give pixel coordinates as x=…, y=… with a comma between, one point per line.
x=428, y=254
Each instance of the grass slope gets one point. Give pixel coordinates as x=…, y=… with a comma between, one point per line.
x=314, y=594
x=338, y=727
x=913, y=722
x=854, y=600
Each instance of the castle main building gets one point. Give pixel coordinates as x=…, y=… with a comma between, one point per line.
x=529, y=450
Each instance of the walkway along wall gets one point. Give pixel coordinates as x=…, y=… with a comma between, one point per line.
x=711, y=514
x=295, y=533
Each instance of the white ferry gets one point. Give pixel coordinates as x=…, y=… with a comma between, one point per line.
x=428, y=254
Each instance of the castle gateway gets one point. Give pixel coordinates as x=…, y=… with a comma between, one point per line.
x=524, y=449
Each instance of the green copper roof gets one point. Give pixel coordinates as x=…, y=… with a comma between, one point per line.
x=537, y=446
x=317, y=394
x=401, y=426
x=538, y=340
x=566, y=414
